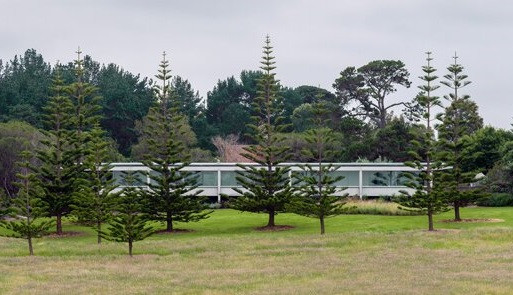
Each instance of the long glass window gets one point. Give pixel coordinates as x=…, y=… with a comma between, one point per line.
x=119, y=178
x=383, y=178
x=228, y=178
x=208, y=178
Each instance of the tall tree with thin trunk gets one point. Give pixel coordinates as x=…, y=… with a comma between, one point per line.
x=173, y=195
x=57, y=160
x=427, y=196
x=460, y=120
x=267, y=187
x=316, y=193
x=28, y=206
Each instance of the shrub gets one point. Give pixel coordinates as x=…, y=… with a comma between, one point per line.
x=376, y=207
x=497, y=200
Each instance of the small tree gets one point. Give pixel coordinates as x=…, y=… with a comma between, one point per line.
x=427, y=195
x=460, y=120
x=27, y=206
x=173, y=194
x=267, y=188
x=129, y=224
x=315, y=196
x=95, y=201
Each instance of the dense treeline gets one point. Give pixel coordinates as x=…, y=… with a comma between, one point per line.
x=72, y=120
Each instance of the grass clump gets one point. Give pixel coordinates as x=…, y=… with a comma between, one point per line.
x=377, y=207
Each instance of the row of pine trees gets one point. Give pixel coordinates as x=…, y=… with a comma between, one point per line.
x=70, y=174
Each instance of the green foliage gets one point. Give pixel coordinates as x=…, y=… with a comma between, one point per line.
x=173, y=194
x=57, y=160
x=129, y=224
x=27, y=205
x=497, y=200
x=95, y=201
x=460, y=119
x=15, y=137
x=24, y=87
x=315, y=196
x=483, y=148
x=369, y=86
x=428, y=196
x=125, y=98
x=266, y=187
x=86, y=111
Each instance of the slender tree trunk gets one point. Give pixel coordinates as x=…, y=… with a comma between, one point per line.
x=270, y=223
x=130, y=246
x=99, y=228
x=457, y=216
x=169, y=222
x=322, y=225
x=430, y=221
x=31, y=249
x=59, y=223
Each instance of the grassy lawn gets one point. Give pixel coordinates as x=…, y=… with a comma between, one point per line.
x=225, y=255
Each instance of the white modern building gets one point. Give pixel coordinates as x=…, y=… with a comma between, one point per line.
x=218, y=179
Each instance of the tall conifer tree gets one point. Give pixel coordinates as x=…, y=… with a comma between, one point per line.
x=56, y=170
x=28, y=206
x=460, y=119
x=173, y=195
x=267, y=186
x=427, y=196
x=316, y=194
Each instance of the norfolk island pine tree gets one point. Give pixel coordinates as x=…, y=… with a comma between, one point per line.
x=315, y=195
x=267, y=186
x=173, y=195
x=428, y=195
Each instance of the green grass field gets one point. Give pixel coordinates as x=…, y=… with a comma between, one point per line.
x=360, y=254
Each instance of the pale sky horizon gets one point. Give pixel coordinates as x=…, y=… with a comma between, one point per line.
x=313, y=40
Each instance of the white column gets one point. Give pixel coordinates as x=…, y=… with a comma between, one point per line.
x=360, y=184
x=219, y=186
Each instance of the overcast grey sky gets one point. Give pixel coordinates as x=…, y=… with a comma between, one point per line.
x=314, y=40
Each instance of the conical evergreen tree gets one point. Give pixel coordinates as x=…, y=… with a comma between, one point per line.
x=129, y=224
x=57, y=164
x=427, y=196
x=460, y=119
x=28, y=206
x=95, y=202
x=86, y=110
x=267, y=186
x=316, y=194
x=173, y=194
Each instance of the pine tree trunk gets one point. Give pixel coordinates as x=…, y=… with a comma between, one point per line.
x=59, y=223
x=130, y=246
x=457, y=216
x=169, y=222
x=98, y=229
x=31, y=249
x=270, y=223
x=322, y=225
x=430, y=221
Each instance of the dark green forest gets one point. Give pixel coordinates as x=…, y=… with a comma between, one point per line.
x=365, y=125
